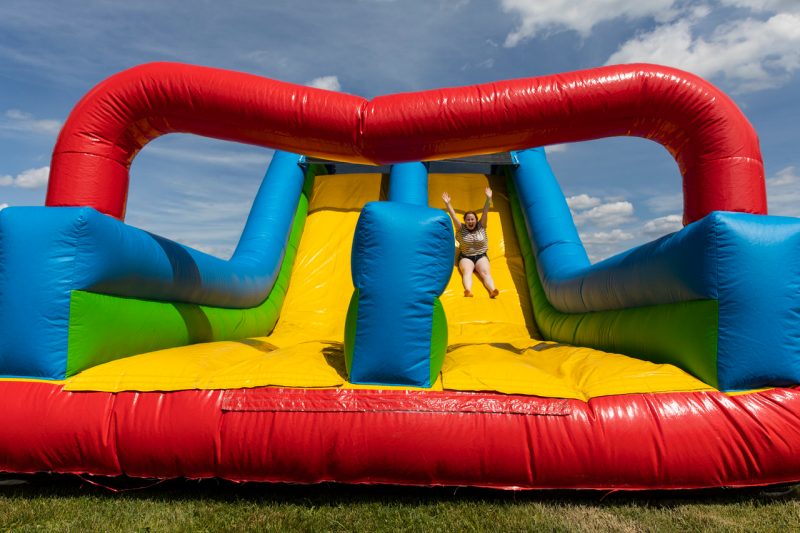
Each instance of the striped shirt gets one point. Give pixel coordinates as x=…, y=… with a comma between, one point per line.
x=474, y=242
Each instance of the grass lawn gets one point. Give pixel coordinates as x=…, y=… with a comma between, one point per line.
x=67, y=503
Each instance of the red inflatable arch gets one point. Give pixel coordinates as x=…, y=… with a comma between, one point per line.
x=715, y=146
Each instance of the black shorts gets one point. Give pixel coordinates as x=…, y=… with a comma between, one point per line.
x=473, y=258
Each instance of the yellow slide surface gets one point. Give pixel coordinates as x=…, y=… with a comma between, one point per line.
x=493, y=344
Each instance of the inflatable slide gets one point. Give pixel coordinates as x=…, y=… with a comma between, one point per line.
x=336, y=345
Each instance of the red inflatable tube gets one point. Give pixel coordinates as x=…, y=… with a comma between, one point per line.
x=638, y=441
x=716, y=148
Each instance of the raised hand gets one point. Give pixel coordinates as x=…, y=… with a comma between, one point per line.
x=446, y=197
x=488, y=193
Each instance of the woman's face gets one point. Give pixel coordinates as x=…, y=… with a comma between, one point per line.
x=471, y=221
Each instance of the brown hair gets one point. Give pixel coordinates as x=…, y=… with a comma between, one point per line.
x=477, y=221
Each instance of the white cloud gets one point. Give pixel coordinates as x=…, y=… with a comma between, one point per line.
x=485, y=64
x=556, y=148
x=606, y=215
x=786, y=176
x=329, y=83
x=453, y=5
x=268, y=58
x=602, y=244
x=608, y=225
x=32, y=178
x=536, y=16
x=783, y=193
x=663, y=225
x=582, y=201
x=20, y=121
x=752, y=54
x=591, y=215
x=765, y=5
x=3, y=206
x=615, y=198
x=665, y=203
x=27, y=179
x=606, y=237
x=217, y=157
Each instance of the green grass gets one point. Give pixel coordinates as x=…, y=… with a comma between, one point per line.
x=66, y=503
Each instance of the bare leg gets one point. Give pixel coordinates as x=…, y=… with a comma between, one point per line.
x=466, y=267
x=485, y=273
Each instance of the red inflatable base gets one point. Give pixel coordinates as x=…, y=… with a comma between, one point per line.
x=639, y=441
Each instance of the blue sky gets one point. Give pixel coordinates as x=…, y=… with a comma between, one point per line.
x=623, y=191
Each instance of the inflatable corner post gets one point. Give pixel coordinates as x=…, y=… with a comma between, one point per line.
x=672, y=365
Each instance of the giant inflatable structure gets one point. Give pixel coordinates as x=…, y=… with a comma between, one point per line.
x=334, y=345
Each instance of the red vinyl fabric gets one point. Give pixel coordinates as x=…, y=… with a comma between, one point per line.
x=638, y=441
x=714, y=145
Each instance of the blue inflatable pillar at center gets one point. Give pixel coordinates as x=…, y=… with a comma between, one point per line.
x=402, y=259
x=408, y=183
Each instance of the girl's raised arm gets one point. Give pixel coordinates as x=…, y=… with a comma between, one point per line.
x=446, y=198
x=484, y=215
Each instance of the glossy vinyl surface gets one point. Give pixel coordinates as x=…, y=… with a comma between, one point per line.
x=702, y=439
x=714, y=145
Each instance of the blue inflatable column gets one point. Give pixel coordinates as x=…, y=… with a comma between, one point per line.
x=269, y=223
x=396, y=330
x=408, y=183
x=554, y=238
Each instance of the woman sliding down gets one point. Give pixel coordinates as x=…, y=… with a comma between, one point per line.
x=473, y=245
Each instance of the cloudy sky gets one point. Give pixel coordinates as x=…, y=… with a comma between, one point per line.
x=622, y=191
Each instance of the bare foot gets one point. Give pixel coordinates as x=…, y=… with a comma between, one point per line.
x=467, y=294
x=494, y=293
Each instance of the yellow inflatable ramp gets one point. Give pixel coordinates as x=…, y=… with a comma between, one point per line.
x=493, y=344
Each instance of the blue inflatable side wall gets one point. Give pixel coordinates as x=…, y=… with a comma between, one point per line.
x=48, y=252
x=723, y=257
